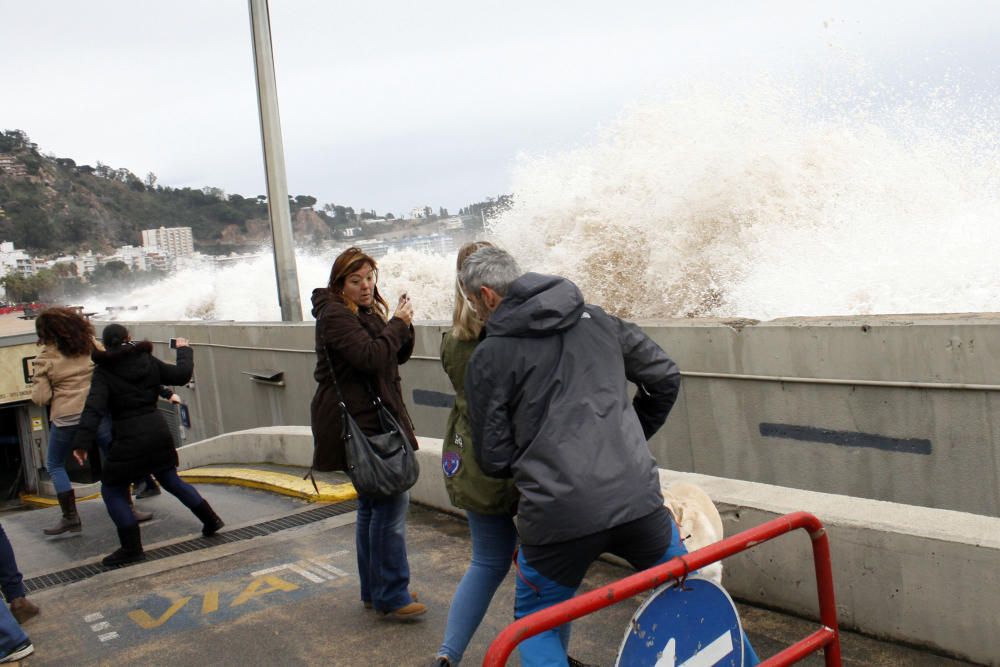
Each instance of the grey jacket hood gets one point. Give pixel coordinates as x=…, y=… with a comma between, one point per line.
x=537, y=305
x=550, y=407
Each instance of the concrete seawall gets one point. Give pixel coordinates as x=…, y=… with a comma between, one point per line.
x=922, y=576
x=896, y=408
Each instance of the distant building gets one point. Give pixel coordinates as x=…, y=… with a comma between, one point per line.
x=86, y=263
x=82, y=264
x=175, y=241
x=440, y=244
x=13, y=260
x=134, y=258
x=158, y=261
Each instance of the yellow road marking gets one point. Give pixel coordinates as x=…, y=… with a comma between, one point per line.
x=147, y=622
x=210, y=602
x=276, y=482
x=42, y=501
x=255, y=588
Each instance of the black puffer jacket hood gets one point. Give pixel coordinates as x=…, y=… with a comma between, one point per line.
x=131, y=361
x=126, y=386
x=537, y=305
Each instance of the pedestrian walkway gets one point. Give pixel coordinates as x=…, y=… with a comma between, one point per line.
x=290, y=596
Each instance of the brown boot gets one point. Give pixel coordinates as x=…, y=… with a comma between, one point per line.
x=139, y=515
x=406, y=612
x=70, y=520
x=23, y=609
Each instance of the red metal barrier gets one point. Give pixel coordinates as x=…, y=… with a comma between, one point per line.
x=826, y=638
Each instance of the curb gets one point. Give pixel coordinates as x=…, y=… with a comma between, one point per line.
x=275, y=482
x=42, y=501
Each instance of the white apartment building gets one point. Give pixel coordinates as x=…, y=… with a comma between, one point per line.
x=134, y=257
x=86, y=263
x=175, y=241
x=13, y=260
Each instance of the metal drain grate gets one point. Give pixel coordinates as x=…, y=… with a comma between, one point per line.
x=82, y=572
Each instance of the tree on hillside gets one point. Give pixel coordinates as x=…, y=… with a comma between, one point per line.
x=492, y=207
x=12, y=140
x=112, y=273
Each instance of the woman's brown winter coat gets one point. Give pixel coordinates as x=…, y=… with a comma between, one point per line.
x=365, y=350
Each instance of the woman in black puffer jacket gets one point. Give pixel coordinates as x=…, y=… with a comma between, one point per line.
x=126, y=384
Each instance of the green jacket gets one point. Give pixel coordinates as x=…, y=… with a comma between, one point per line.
x=468, y=487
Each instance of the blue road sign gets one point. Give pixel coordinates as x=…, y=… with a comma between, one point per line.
x=696, y=626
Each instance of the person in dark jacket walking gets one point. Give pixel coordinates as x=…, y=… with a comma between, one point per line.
x=365, y=348
x=547, y=390
x=12, y=583
x=14, y=643
x=126, y=384
x=489, y=503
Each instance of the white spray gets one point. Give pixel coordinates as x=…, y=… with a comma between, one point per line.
x=763, y=204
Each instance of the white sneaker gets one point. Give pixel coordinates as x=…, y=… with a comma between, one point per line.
x=19, y=652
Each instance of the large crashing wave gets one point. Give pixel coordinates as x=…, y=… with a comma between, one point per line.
x=757, y=204
x=244, y=290
x=762, y=206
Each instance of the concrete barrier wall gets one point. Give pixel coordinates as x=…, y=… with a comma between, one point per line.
x=922, y=576
x=929, y=444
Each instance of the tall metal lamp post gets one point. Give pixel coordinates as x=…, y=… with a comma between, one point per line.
x=274, y=164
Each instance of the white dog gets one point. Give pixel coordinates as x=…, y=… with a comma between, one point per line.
x=699, y=521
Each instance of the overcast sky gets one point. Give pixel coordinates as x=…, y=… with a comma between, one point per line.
x=391, y=105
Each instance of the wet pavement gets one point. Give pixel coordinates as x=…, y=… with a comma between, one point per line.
x=291, y=598
x=38, y=553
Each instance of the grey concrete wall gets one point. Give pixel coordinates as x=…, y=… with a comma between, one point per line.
x=922, y=576
x=929, y=446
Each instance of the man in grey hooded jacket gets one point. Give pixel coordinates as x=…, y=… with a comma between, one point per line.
x=547, y=390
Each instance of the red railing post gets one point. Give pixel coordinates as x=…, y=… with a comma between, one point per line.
x=827, y=638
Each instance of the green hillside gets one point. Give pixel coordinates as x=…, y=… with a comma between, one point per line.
x=51, y=205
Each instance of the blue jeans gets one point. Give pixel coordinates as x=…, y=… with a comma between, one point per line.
x=380, y=537
x=11, y=581
x=11, y=634
x=493, y=541
x=535, y=592
x=61, y=445
x=117, y=497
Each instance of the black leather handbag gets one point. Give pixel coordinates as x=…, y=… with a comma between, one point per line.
x=380, y=465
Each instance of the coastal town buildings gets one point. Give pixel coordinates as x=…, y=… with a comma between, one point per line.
x=174, y=241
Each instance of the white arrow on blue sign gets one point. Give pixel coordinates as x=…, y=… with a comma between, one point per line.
x=694, y=626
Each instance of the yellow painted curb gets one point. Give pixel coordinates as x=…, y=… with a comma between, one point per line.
x=42, y=501
x=276, y=482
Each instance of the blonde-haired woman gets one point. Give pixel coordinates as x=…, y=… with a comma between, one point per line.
x=489, y=503
x=358, y=352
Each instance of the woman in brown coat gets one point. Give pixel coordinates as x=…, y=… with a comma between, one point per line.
x=365, y=348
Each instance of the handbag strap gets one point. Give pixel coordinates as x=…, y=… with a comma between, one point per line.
x=376, y=399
